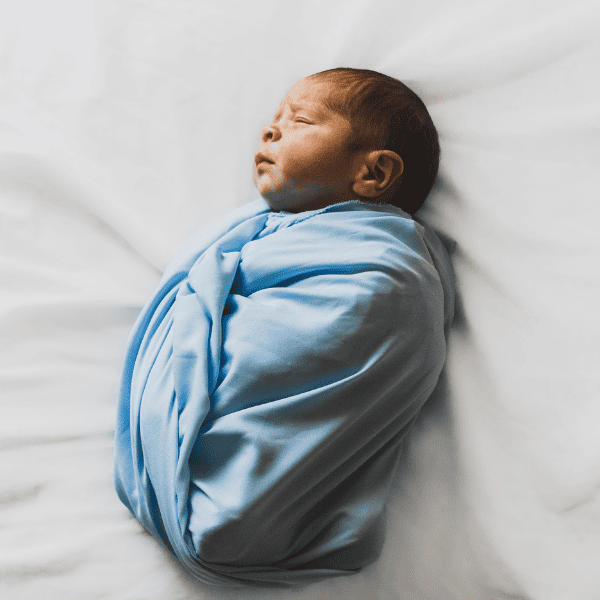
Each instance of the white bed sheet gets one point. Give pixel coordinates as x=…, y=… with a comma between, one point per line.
x=126, y=125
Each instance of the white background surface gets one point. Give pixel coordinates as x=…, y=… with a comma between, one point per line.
x=126, y=125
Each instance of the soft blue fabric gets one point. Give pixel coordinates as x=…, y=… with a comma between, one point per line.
x=269, y=383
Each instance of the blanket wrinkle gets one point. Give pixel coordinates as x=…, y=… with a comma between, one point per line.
x=269, y=384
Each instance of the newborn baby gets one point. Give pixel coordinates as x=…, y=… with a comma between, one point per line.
x=271, y=379
x=345, y=134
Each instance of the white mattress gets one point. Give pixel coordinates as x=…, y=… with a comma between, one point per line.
x=126, y=125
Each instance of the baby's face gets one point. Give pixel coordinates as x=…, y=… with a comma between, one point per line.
x=305, y=161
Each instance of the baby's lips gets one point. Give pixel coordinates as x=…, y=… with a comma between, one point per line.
x=260, y=157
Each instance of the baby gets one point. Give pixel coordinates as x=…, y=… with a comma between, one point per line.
x=348, y=134
x=272, y=377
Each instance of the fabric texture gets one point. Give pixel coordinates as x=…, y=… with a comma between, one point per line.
x=268, y=386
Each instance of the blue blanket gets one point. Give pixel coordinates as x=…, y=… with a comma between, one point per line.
x=269, y=383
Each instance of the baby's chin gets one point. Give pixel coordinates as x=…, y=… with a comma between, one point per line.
x=283, y=198
x=299, y=197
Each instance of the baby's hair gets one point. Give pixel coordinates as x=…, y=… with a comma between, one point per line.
x=385, y=114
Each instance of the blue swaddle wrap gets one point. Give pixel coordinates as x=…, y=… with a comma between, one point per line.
x=268, y=385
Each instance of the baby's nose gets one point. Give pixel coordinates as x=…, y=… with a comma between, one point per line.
x=268, y=133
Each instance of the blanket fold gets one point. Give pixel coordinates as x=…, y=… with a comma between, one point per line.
x=268, y=386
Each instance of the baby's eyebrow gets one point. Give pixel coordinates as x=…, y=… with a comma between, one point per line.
x=311, y=107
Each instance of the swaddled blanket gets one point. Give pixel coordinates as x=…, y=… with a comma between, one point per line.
x=269, y=383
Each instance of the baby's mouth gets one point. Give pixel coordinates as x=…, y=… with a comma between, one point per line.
x=261, y=158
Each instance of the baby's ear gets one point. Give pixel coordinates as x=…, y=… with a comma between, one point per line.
x=377, y=173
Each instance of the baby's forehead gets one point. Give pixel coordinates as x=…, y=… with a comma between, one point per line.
x=309, y=94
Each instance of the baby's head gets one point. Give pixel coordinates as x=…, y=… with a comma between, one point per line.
x=348, y=134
